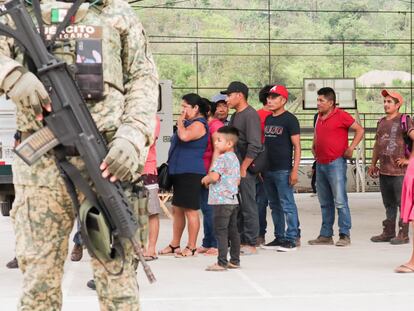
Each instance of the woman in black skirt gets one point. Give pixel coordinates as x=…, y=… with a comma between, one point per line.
x=186, y=168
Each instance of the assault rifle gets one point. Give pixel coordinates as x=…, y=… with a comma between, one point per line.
x=70, y=125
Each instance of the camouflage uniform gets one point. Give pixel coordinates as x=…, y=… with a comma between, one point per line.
x=42, y=212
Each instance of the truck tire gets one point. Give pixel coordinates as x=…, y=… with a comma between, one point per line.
x=6, y=206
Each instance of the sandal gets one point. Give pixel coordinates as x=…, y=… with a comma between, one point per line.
x=150, y=258
x=231, y=265
x=202, y=250
x=404, y=269
x=166, y=252
x=216, y=267
x=183, y=254
x=212, y=251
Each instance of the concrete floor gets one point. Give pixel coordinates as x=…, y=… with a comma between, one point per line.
x=359, y=277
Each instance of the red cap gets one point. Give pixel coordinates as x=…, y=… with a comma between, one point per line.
x=395, y=95
x=280, y=90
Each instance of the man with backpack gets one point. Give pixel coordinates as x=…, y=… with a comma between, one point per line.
x=391, y=149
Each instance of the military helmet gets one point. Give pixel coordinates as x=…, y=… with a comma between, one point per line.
x=96, y=231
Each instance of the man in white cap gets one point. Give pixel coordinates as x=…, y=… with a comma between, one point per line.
x=220, y=108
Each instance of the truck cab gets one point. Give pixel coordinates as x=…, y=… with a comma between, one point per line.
x=165, y=113
x=7, y=131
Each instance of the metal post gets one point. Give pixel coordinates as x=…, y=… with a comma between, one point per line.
x=360, y=161
x=411, y=57
x=269, y=45
x=343, y=59
x=197, y=86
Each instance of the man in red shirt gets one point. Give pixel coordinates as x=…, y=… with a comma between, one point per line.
x=261, y=198
x=330, y=148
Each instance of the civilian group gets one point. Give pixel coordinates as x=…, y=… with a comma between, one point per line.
x=210, y=164
x=211, y=160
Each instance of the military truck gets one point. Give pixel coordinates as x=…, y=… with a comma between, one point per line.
x=8, y=129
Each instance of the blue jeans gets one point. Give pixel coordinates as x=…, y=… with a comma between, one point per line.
x=282, y=203
x=331, y=189
x=262, y=203
x=209, y=239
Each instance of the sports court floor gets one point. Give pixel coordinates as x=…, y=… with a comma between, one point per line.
x=319, y=278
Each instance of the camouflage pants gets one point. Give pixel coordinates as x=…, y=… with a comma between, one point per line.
x=43, y=220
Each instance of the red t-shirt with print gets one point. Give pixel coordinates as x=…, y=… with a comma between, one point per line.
x=263, y=114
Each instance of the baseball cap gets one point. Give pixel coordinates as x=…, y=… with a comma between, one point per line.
x=395, y=95
x=280, y=90
x=237, y=86
x=218, y=98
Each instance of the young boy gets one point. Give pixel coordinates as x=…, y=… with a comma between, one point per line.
x=389, y=149
x=223, y=180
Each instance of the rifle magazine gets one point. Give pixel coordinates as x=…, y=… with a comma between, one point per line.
x=36, y=145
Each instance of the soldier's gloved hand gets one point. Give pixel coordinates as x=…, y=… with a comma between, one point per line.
x=25, y=89
x=121, y=161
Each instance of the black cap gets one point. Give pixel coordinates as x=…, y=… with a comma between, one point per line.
x=237, y=86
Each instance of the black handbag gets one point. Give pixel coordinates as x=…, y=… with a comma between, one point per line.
x=164, y=178
x=260, y=163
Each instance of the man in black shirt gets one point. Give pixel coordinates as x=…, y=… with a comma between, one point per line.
x=282, y=141
x=247, y=121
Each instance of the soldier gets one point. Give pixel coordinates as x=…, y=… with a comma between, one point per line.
x=118, y=78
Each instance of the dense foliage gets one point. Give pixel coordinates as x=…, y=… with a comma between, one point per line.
x=228, y=40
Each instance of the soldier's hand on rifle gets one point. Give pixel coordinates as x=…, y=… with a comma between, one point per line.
x=25, y=89
x=121, y=161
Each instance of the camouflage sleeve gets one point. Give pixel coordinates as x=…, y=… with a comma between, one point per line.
x=7, y=64
x=141, y=87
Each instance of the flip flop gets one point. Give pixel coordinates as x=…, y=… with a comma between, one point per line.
x=150, y=258
x=404, y=269
x=211, y=252
x=202, y=250
x=231, y=265
x=248, y=250
x=216, y=268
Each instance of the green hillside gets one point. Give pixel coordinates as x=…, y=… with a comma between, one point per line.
x=202, y=45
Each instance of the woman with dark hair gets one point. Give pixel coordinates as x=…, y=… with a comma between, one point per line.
x=209, y=244
x=186, y=168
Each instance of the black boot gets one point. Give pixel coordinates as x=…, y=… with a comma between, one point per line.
x=91, y=284
x=12, y=264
